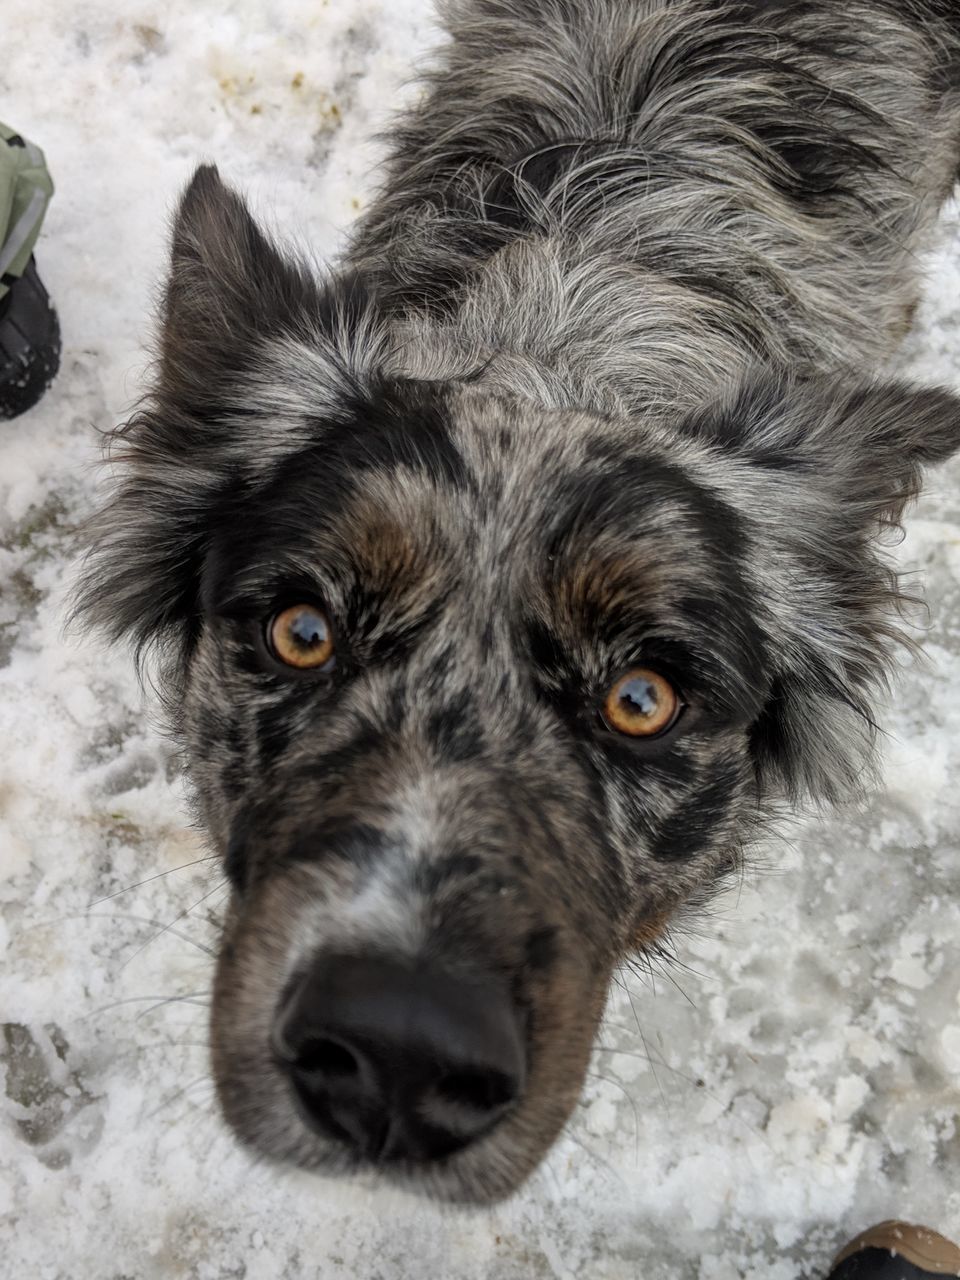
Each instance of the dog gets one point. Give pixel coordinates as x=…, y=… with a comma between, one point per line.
x=503, y=582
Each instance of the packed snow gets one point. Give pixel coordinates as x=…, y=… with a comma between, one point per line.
x=795, y=1078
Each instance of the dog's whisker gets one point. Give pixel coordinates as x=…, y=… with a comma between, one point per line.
x=149, y=1046
x=168, y=927
x=182, y=1092
x=144, y=1013
x=696, y=1083
x=652, y=1062
x=192, y=997
x=666, y=953
x=617, y=1084
x=130, y=919
x=641, y=967
x=593, y=1155
x=159, y=876
x=662, y=960
x=643, y=1041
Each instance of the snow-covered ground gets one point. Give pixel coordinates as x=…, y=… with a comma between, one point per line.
x=799, y=1079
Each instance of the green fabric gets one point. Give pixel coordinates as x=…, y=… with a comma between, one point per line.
x=25, y=191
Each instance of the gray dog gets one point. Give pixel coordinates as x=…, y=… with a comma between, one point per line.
x=503, y=582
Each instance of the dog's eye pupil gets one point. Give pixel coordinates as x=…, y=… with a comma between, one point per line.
x=301, y=637
x=641, y=704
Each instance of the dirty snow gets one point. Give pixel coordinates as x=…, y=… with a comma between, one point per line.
x=797, y=1079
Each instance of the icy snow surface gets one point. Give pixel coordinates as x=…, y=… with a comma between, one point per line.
x=798, y=1080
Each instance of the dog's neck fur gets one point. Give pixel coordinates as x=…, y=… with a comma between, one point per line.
x=714, y=254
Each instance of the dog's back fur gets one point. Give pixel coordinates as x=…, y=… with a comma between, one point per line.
x=595, y=390
x=626, y=203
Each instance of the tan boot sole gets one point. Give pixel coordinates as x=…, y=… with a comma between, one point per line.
x=924, y=1248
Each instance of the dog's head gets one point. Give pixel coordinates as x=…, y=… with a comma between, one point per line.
x=475, y=694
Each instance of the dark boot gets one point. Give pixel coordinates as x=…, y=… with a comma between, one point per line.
x=897, y=1251
x=29, y=343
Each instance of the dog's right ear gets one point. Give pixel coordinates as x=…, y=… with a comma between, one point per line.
x=229, y=289
x=256, y=356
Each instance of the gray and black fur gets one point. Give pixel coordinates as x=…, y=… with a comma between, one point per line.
x=594, y=387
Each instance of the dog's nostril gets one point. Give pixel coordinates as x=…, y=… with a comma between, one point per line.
x=328, y=1058
x=467, y=1104
x=484, y=1091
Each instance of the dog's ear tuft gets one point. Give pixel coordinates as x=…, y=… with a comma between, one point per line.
x=831, y=463
x=229, y=287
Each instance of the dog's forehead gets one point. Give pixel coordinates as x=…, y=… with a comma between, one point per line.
x=514, y=446
x=456, y=491
x=444, y=513
x=589, y=497
x=497, y=472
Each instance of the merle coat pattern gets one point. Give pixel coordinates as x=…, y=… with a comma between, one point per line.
x=593, y=388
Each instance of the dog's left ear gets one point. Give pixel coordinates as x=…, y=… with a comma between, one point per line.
x=860, y=444
x=822, y=467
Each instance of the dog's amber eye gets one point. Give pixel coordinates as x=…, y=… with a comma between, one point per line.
x=641, y=704
x=301, y=637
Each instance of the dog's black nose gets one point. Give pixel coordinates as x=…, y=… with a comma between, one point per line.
x=400, y=1062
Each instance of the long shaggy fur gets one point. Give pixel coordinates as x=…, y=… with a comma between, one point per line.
x=593, y=388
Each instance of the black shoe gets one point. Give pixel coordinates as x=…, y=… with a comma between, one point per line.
x=897, y=1251
x=29, y=344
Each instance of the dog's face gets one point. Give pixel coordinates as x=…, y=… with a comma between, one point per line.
x=472, y=695
x=475, y=695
